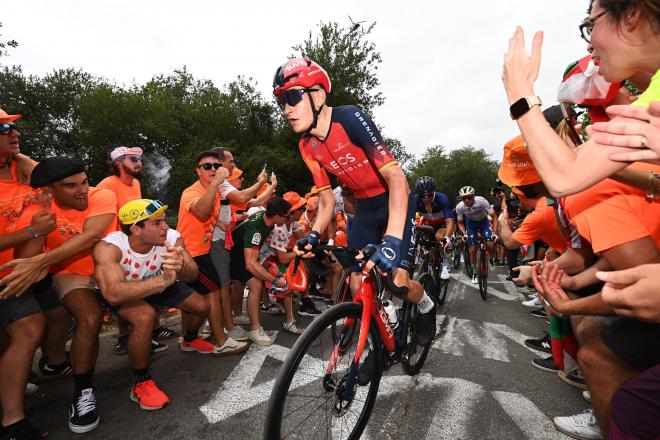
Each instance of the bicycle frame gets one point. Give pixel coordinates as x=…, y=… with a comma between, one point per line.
x=370, y=308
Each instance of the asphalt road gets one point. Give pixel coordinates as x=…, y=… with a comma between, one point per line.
x=477, y=383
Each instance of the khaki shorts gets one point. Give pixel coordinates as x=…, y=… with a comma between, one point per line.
x=68, y=282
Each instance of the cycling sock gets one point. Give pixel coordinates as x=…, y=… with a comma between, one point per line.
x=190, y=336
x=425, y=305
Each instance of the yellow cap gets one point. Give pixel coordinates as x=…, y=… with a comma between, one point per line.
x=140, y=209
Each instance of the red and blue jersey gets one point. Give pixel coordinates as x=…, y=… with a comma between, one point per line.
x=440, y=210
x=353, y=151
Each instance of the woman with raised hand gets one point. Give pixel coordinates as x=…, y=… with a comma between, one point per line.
x=624, y=37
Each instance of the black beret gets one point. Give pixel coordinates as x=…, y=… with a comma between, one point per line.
x=53, y=170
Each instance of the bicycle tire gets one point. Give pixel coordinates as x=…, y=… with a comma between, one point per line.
x=281, y=390
x=483, y=273
x=415, y=355
x=457, y=259
x=442, y=292
x=468, y=264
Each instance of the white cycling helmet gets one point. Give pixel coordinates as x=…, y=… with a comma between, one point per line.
x=466, y=191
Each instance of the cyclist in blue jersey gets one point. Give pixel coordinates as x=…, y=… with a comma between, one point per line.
x=435, y=209
x=472, y=215
x=344, y=142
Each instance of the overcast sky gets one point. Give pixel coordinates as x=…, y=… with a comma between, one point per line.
x=442, y=61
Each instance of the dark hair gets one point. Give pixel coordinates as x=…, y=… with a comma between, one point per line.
x=113, y=166
x=221, y=153
x=277, y=206
x=619, y=8
x=207, y=153
x=126, y=229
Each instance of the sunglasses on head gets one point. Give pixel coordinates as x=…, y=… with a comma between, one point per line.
x=150, y=210
x=7, y=128
x=208, y=166
x=291, y=97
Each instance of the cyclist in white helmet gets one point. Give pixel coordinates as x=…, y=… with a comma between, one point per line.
x=472, y=215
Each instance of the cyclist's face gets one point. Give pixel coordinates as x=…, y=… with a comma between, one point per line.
x=468, y=200
x=300, y=116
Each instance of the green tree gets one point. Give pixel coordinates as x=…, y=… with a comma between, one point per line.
x=456, y=168
x=6, y=43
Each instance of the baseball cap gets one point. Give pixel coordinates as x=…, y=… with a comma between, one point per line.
x=123, y=151
x=4, y=117
x=140, y=209
x=294, y=198
x=517, y=168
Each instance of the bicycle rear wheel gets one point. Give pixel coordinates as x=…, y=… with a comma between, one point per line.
x=482, y=261
x=306, y=401
x=415, y=355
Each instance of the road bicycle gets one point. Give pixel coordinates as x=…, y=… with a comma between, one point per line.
x=429, y=254
x=456, y=253
x=482, y=264
x=329, y=381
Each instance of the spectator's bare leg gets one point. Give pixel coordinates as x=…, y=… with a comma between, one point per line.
x=53, y=345
x=253, y=302
x=84, y=307
x=140, y=316
x=215, y=317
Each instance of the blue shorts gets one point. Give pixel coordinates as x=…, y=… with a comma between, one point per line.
x=370, y=222
x=471, y=228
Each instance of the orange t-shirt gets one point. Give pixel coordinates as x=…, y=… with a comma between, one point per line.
x=15, y=198
x=196, y=233
x=541, y=224
x=125, y=193
x=69, y=223
x=611, y=213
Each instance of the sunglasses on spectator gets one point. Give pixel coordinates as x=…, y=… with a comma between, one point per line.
x=292, y=97
x=208, y=166
x=134, y=159
x=7, y=128
x=587, y=26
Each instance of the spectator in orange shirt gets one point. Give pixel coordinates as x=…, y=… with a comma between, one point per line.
x=84, y=215
x=126, y=168
x=20, y=316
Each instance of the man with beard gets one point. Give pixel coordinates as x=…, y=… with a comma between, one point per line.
x=126, y=168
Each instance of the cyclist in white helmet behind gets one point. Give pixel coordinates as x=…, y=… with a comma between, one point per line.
x=472, y=215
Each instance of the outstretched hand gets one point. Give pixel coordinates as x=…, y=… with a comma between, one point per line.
x=548, y=282
x=633, y=292
x=521, y=70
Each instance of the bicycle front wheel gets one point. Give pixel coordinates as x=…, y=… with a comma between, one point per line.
x=312, y=398
x=482, y=261
x=415, y=354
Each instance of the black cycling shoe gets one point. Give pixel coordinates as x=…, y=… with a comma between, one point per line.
x=425, y=327
x=367, y=369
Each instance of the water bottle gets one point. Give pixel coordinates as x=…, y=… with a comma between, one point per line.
x=392, y=315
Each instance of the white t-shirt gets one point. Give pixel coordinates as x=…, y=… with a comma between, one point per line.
x=477, y=212
x=225, y=211
x=278, y=240
x=139, y=266
x=339, y=199
x=254, y=210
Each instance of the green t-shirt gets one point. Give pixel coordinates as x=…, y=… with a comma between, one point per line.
x=652, y=93
x=251, y=233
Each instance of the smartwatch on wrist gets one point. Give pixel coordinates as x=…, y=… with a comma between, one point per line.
x=522, y=106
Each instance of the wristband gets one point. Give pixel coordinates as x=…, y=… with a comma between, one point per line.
x=31, y=230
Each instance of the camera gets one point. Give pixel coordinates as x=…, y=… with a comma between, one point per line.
x=498, y=188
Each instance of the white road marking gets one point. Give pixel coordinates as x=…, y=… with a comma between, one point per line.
x=531, y=420
x=506, y=296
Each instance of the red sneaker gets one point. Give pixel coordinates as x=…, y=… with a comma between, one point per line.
x=149, y=396
x=198, y=344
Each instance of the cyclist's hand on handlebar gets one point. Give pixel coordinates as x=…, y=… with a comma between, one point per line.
x=305, y=246
x=385, y=256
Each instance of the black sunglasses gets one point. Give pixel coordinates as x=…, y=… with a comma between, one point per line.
x=292, y=97
x=7, y=128
x=134, y=159
x=208, y=166
x=430, y=194
x=587, y=26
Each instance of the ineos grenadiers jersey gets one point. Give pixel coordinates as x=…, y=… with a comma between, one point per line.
x=353, y=150
x=440, y=210
x=477, y=212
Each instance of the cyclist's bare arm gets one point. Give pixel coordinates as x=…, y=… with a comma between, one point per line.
x=398, y=199
x=326, y=210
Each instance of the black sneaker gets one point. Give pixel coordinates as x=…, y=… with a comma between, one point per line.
x=82, y=414
x=547, y=364
x=539, y=313
x=121, y=346
x=157, y=347
x=307, y=308
x=163, y=332
x=22, y=430
x=50, y=372
x=425, y=327
x=542, y=344
x=367, y=369
x=574, y=378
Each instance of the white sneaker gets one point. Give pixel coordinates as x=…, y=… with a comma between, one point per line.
x=586, y=395
x=31, y=388
x=583, y=426
x=445, y=273
x=238, y=334
x=242, y=319
x=534, y=303
x=474, y=280
x=260, y=337
x=230, y=347
x=206, y=329
x=292, y=328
